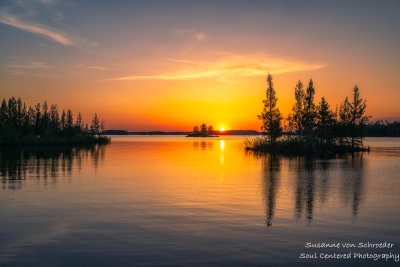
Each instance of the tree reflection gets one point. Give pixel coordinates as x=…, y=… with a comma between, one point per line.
x=271, y=169
x=353, y=180
x=204, y=145
x=310, y=179
x=43, y=163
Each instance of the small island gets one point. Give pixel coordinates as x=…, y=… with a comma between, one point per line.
x=311, y=128
x=43, y=125
x=202, y=131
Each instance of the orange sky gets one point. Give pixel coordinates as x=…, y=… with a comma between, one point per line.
x=142, y=70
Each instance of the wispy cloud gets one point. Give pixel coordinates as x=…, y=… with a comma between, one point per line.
x=92, y=67
x=228, y=67
x=52, y=34
x=33, y=65
x=197, y=35
x=201, y=36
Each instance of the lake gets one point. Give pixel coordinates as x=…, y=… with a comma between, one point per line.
x=172, y=200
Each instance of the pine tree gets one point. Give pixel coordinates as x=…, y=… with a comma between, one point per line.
x=63, y=120
x=102, y=126
x=95, y=126
x=70, y=120
x=20, y=124
x=344, y=120
x=325, y=120
x=297, y=115
x=54, y=118
x=210, y=130
x=271, y=116
x=79, y=121
x=309, y=115
x=203, y=129
x=357, y=118
x=38, y=120
x=3, y=113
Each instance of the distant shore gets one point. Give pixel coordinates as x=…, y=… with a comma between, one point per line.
x=227, y=132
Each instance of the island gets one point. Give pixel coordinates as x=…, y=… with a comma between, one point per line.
x=311, y=127
x=42, y=124
x=202, y=131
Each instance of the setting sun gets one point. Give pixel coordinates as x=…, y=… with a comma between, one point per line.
x=222, y=129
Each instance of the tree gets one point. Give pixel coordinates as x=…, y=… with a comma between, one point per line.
x=95, y=126
x=79, y=121
x=196, y=129
x=40, y=124
x=38, y=120
x=297, y=109
x=63, y=120
x=325, y=120
x=309, y=115
x=210, y=130
x=271, y=116
x=45, y=116
x=102, y=126
x=203, y=129
x=3, y=113
x=54, y=118
x=70, y=120
x=358, y=119
x=344, y=120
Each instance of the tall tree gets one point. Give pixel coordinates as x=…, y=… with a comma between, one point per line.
x=344, y=120
x=70, y=120
x=271, y=116
x=38, y=119
x=325, y=120
x=79, y=121
x=309, y=115
x=95, y=126
x=210, y=130
x=358, y=118
x=297, y=109
x=203, y=129
x=63, y=120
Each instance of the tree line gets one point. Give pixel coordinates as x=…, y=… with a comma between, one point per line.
x=202, y=130
x=382, y=128
x=315, y=126
x=44, y=124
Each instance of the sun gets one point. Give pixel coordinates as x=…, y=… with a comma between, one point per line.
x=222, y=129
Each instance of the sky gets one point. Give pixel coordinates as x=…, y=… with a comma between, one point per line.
x=169, y=65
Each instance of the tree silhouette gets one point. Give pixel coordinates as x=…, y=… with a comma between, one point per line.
x=297, y=115
x=40, y=124
x=309, y=115
x=203, y=128
x=210, y=130
x=325, y=121
x=271, y=116
x=317, y=127
x=358, y=118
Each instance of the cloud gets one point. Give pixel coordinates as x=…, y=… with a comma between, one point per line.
x=37, y=29
x=197, y=35
x=200, y=36
x=92, y=67
x=226, y=68
x=33, y=65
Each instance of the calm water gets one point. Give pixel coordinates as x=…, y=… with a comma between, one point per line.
x=171, y=200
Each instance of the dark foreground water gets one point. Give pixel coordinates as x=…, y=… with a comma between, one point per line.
x=172, y=200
